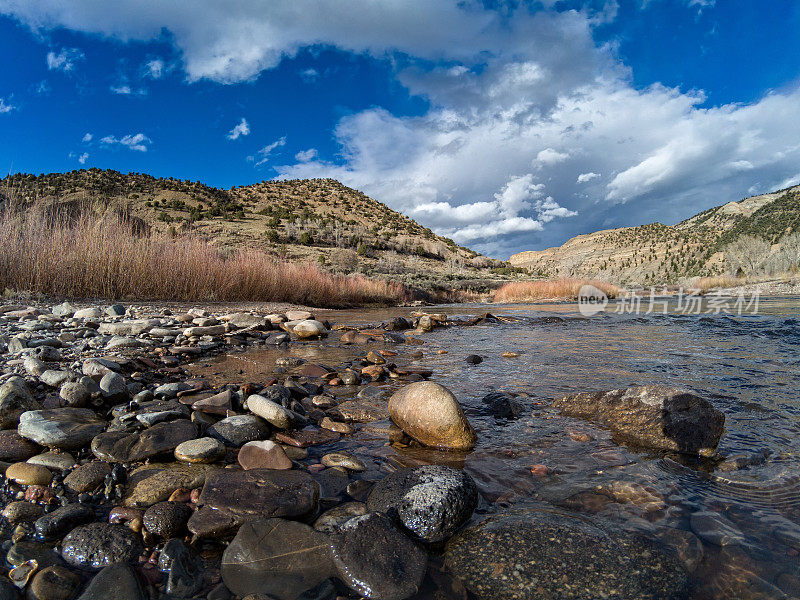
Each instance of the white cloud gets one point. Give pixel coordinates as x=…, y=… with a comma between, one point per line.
x=240, y=129
x=309, y=74
x=87, y=138
x=548, y=157
x=137, y=142
x=123, y=90
x=306, y=155
x=43, y=88
x=5, y=107
x=83, y=157
x=65, y=59
x=525, y=109
x=262, y=155
x=154, y=68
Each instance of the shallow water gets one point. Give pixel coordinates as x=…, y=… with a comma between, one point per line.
x=748, y=366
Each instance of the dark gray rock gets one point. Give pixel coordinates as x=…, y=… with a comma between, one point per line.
x=502, y=406
x=167, y=519
x=53, y=583
x=545, y=554
x=63, y=519
x=118, y=581
x=242, y=496
x=162, y=438
x=276, y=557
x=65, y=428
x=184, y=570
x=240, y=429
x=15, y=448
x=376, y=560
x=652, y=416
x=431, y=501
x=113, y=388
x=23, y=551
x=8, y=590
x=98, y=545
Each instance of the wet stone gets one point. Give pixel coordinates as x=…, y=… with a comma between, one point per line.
x=53, y=583
x=376, y=560
x=14, y=447
x=63, y=519
x=24, y=551
x=545, y=554
x=330, y=520
x=346, y=461
x=87, y=477
x=28, y=474
x=360, y=412
x=247, y=495
x=185, y=576
x=15, y=399
x=98, y=545
x=167, y=519
x=22, y=512
x=53, y=460
x=715, y=529
x=431, y=501
x=118, y=446
x=279, y=558
x=156, y=482
x=118, y=581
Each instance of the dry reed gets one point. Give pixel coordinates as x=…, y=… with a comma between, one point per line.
x=564, y=288
x=90, y=256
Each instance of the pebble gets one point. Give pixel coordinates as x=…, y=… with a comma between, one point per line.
x=509, y=354
x=162, y=438
x=202, y=450
x=337, y=426
x=29, y=474
x=167, y=519
x=346, y=461
x=87, y=477
x=61, y=520
x=239, y=429
x=273, y=413
x=53, y=583
x=307, y=437
x=22, y=512
x=64, y=428
x=118, y=581
x=55, y=461
x=14, y=447
x=331, y=520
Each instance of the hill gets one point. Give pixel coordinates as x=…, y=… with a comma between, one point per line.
x=316, y=220
x=751, y=236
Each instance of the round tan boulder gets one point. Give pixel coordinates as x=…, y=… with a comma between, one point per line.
x=430, y=414
x=309, y=329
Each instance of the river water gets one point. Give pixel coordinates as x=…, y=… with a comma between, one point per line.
x=735, y=524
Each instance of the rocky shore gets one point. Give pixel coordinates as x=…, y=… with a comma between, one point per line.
x=125, y=477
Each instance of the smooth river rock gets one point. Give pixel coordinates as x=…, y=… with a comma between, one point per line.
x=118, y=581
x=64, y=428
x=15, y=399
x=652, y=416
x=430, y=413
x=279, y=558
x=376, y=560
x=263, y=455
x=120, y=446
x=230, y=498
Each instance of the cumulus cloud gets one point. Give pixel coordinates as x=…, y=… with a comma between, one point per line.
x=240, y=129
x=262, y=156
x=306, y=155
x=525, y=112
x=6, y=107
x=83, y=157
x=309, y=75
x=138, y=141
x=64, y=60
x=123, y=90
x=87, y=138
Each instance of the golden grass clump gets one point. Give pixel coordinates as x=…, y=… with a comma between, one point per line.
x=705, y=284
x=88, y=256
x=564, y=288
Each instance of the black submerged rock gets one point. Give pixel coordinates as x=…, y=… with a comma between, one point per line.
x=502, y=406
x=98, y=545
x=167, y=519
x=276, y=557
x=122, y=447
x=431, y=501
x=185, y=572
x=119, y=582
x=62, y=520
x=376, y=560
x=546, y=554
x=652, y=416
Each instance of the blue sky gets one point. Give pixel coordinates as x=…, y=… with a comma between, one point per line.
x=507, y=126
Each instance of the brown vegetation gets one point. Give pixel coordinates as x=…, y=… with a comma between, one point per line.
x=88, y=256
x=565, y=288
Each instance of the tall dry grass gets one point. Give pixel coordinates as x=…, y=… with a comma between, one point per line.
x=564, y=288
x=85, y=256
x=705, y=284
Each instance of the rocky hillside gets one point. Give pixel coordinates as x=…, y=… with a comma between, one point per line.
x=317, y=220
x=652, y=254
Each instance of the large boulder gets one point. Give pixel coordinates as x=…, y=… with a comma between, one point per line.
x=430, y=413
x=652, y=416
x=64, y=428
x=546, y=554
x=309, y=329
